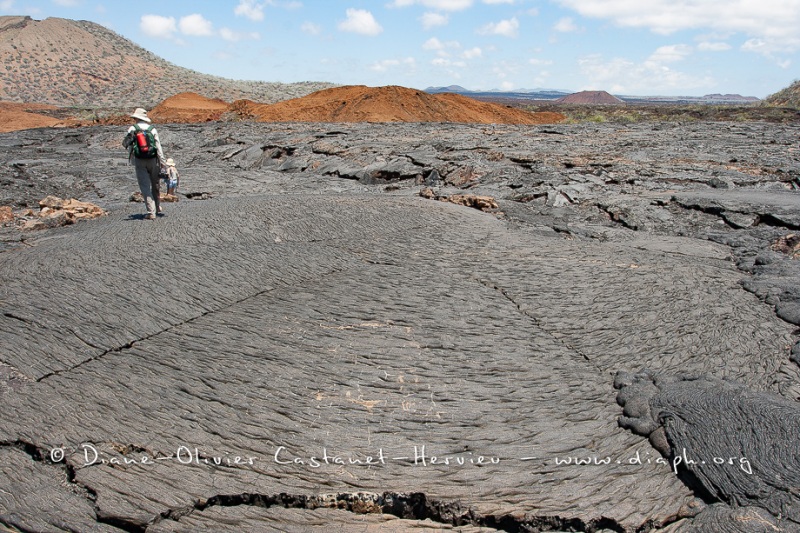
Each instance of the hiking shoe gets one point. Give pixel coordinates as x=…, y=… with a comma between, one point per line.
x=150, y=216
x=160, y=210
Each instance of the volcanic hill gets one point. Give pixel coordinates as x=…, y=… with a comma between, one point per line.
x=390, y=104
x=787, y=97
x=188, y=108
x=79, y=63
x=591, y=98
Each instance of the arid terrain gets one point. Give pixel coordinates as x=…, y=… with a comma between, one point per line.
x=71, y=63
x=405, y=326
x=377, y=309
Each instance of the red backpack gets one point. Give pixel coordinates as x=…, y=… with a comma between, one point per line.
x=144, y=142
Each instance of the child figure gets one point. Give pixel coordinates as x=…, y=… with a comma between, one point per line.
x=172, y=179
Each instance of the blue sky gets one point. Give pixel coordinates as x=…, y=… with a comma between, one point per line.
x=628, y=47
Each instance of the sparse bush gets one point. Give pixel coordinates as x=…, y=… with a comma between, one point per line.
x=684, y=113
x=788, y=97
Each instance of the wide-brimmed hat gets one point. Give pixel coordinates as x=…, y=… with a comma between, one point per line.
x=140, y=114
x=170, y=162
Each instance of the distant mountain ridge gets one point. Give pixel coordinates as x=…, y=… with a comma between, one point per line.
x=79, y=63
x=556, y=94
x=527, y=94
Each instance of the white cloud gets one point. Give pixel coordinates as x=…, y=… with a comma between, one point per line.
x=431, y=20
x=755, y=45
x=387, y=64
x=504, y=69
x=439, y=5
x=507, y=86
x=158, y=26
x=775, y=21
x=444, y=62
x=707, y=46
x=506, y=28
x=768, y=49
x=540, y=62
x=233, y=36
x=311, y=29
x=6, y=5
x=447, y=5
x=441, y=48
x=472, y=53
x=250, y=9
x=670, y=54
x=196, y=25
x=565, y=25
x=435, y=44
x=66, y=3
x=541, y=79
x=492, y=2
x=360, y=21
x=621, y=75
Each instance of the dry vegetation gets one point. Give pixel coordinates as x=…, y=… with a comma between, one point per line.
x=81, y=64
x=669, y=112
x=788, y=97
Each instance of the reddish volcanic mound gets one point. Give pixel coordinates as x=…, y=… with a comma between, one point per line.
x=390, y=104
x=340, y=104
x=188, y=107
x=591, y=98
x=14, y=116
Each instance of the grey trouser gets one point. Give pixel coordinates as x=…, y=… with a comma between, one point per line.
x=147, y=175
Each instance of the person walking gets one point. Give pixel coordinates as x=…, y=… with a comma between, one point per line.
x=173, y=179
x=147, y=156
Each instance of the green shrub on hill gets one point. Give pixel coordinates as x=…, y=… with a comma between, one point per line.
x=788, y=97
